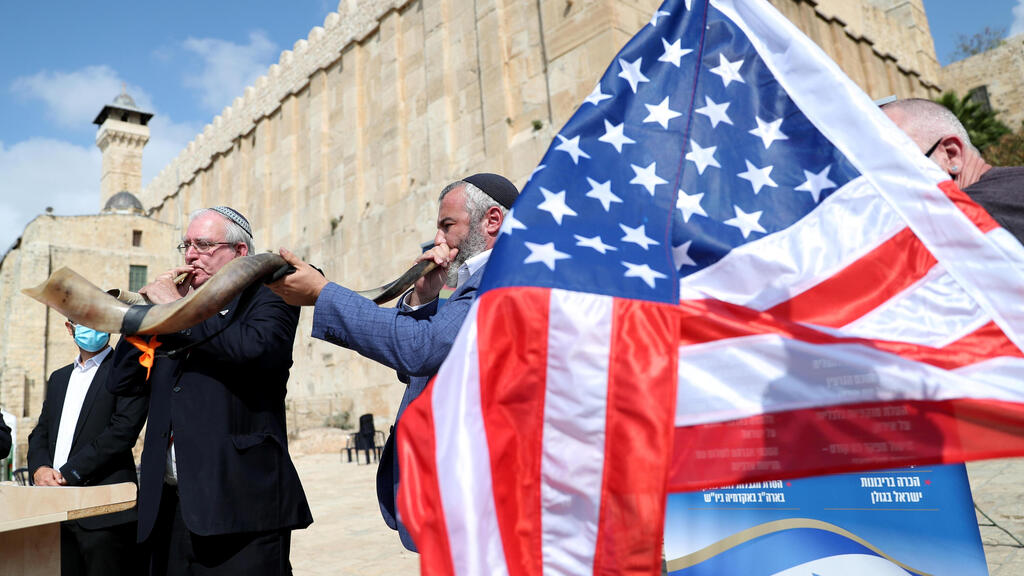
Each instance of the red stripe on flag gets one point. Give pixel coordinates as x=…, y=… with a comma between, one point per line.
x=513, y=329
x=848, y=438
x=863, y=285
x=642, y=383
x=710, y=320
x=419, y=498
x=988, y=341
x=970, y=208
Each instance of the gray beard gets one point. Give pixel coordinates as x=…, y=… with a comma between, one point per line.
x=475, y=243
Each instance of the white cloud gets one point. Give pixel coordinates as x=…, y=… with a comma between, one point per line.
x=42, y=172
x=227, y=68
x=1018, y=19
x=74, y=98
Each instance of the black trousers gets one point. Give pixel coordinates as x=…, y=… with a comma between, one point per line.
x=174, y=551
x=105, y=551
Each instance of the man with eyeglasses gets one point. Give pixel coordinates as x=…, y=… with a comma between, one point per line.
x=219, y=493
x=84, y=437
x=944, y=140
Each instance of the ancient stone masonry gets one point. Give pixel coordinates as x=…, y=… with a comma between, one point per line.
x=1000, y=72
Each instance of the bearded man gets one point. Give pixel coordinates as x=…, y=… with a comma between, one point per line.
x=414, y=338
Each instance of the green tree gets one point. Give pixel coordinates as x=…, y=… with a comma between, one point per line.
x=980, y=121
x=1008, y=151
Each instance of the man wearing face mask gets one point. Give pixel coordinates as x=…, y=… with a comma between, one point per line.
x=84, y=437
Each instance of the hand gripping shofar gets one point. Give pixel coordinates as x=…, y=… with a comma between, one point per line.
x=84, y=303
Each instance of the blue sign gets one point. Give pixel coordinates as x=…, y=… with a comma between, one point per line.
x=911, y=521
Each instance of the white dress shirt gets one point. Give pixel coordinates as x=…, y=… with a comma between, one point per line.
x=78, y=386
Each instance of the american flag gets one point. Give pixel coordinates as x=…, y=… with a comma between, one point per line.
x=729, y=266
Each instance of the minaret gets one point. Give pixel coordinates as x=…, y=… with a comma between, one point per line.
x=122, y=134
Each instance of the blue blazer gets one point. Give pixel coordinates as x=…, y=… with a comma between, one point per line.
x=412, y=343
x=224, y=400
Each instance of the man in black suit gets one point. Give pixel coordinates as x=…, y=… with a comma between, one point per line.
x=5, y=439
x=85, y=437
x=219, y=493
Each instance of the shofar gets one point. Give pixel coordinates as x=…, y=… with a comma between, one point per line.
x=84, y=303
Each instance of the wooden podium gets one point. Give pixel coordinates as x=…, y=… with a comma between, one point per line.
x=30, y=519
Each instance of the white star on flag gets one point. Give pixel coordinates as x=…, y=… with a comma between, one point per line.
x=768, y=132
x=644, y=272
x=631, y=73
x=747, y=223
x=534, y=173
x=673, y=52
x=660, y=113
x=681, y=255
x=714, y=111
x=510, y=223
x=702, y=157
x=572, y=148
x=758, y=177
x=689, y=204
x=728, y=71
x=602, y=191
x=594, y=243
x=815, y=183
x=554, y=204
x=638, y=236
x=596, y=96
x=544, y=253
x=657, y=16
x=613, y=134
x=646, y=177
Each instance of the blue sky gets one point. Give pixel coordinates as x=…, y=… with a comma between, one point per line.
x=184, y=61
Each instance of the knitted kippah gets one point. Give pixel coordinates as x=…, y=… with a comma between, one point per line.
x=234, y=216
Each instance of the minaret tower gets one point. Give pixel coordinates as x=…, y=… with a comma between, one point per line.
x=122, y=134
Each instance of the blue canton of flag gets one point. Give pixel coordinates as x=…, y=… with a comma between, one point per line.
x=679, y=154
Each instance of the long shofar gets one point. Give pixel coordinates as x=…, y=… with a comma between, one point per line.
x=84, y=303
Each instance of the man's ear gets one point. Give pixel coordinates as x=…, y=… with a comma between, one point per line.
x=492, y=221
x=242, y=248
x=953, y=151
x=71, y=329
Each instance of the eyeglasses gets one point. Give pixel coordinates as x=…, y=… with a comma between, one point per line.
x=928, y=153
x=201, y=246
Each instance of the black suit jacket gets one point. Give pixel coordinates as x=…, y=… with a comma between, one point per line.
x=101, y=449
x=224, y=400
x=5, y=439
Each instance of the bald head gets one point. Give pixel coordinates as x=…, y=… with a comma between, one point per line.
x=926, y=121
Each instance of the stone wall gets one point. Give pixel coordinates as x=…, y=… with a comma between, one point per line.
x=35, y=341
x=1001, y=71
x=340, y=150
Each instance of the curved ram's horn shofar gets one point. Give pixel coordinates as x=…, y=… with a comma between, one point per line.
x=84, y=303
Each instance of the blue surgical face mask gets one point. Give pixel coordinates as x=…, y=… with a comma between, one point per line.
x=90, y=340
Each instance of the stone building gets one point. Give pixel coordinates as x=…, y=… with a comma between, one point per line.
x=339, y=151
x=119, y=247
x=993, y=78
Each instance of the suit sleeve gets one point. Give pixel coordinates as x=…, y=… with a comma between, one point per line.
x=257, y=335
x=414, y=343
x=127, y=377
x=119, y=436
x=39, y=438
x=5, y=439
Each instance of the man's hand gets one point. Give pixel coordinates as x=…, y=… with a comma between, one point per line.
x=302, y=287
x=46, y=476
x=164, y=290
x=428, y=287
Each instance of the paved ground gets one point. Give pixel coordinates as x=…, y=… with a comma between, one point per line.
x=349, y=538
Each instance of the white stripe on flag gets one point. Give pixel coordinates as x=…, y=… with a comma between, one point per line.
x=935, y=311
x=463, y=460
x=575, y=402
x=768, y=373
x=760, y=274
